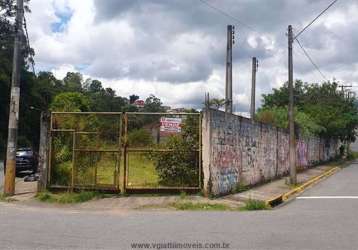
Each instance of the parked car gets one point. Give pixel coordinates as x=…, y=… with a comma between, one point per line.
x=26, y=160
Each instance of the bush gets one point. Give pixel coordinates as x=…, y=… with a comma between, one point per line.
x=68, y=197
x=61, y=173
x=179, y=166
x=255, y=205
x=139, y=138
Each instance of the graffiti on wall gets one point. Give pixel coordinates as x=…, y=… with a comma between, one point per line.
x=246, y=153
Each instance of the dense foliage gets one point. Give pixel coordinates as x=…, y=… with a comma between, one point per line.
x=320, y=109
x=179, y=166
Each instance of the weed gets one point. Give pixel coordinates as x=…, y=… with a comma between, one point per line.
x=182, y=195
x=255, y=205
x=5, y=198
x=200, y=206
x=68, y=197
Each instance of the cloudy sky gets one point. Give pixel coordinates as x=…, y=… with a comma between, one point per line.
x=175, y=49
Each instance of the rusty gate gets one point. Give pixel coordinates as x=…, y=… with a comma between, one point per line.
x=125, y=151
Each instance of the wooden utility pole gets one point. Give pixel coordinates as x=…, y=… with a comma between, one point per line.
x=253, y=88
x=228, y=82
x=291, y=118
x=9, y=187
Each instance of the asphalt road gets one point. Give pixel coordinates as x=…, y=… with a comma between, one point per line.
x=327, y=220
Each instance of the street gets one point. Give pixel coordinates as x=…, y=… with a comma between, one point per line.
x=316, y=223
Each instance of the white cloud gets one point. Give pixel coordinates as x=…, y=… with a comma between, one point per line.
x=176, y=49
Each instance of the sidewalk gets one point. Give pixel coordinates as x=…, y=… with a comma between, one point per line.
x=276, y=188
x=25, y=192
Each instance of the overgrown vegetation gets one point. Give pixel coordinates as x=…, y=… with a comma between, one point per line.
x=179, y=165
x=196, y=206
x=70, y=197
x=320, y=109
x=255, y=205
x=4, y=198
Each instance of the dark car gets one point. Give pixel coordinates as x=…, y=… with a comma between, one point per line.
x=26, y=160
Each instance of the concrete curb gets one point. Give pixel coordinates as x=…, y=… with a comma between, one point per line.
x=285, y=196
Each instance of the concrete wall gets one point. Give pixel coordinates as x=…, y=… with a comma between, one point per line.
x=239, y=152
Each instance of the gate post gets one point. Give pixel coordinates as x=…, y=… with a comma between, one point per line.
x=43, y=161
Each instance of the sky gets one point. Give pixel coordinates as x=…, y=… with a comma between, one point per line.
x=176, y=49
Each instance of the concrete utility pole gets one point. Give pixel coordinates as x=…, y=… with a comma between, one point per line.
x=291, y=118
x=253, y=88
x=228, y=83
x=9, y=187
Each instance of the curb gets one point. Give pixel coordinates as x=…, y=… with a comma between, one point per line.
x=285, y=196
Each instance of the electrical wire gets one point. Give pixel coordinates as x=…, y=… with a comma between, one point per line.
x=320, y=14
x=310, y=59
x=227, y=15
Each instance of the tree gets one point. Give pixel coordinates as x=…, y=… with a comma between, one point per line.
x=70, y=102
x=217, y=103
x=153, y=104
x=321, y=108
x=278, y=117
x=73, y=82
x=133, y=98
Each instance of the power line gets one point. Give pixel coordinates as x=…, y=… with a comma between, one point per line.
x=227, y=15
x=310, y=59
x=320, y=14
x=29, y=47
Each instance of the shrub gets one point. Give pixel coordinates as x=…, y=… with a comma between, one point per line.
x=179, y=166
x=139, y=138
x=255, y=205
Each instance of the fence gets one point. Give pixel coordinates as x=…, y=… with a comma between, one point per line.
x=125, y=151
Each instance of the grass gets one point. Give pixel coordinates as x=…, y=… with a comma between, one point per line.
x=201, y=206
x=252, y=205
x=70, y=197
x=141, y=171
x=4, y=198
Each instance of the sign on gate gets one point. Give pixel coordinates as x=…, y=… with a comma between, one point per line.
x=170, y=125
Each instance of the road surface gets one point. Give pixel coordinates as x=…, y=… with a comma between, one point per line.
x=326, y=220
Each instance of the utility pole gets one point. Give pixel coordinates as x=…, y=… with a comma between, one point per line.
x=9, y=187
x=228, y=82
x=255, y=65
x=343, y=87
x=291, y=119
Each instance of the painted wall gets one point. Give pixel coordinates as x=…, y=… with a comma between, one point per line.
x=239, y=152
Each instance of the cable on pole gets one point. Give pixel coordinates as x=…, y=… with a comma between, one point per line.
x=310, y=59
x=227, y=15
x=320, y=14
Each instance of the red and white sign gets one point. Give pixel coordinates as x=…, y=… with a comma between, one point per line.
x=170, y=125
x=139, y=103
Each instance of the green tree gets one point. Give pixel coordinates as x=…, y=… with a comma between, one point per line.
x=73, y=82
x=217, y=103
x=153, y=104
x=70, y=102
x=320, y=109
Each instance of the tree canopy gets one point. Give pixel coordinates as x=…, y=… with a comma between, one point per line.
x=320, y=109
